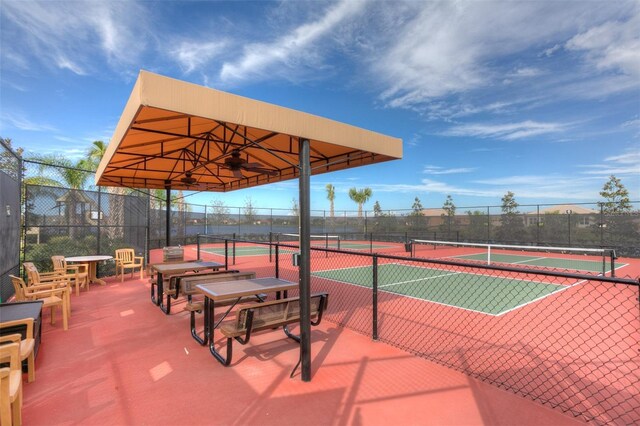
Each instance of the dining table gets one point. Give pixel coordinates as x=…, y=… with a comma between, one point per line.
x=235, y=290
x=166, y=269
x=92, y=262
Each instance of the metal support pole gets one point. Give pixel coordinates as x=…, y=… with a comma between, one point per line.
x=168, y=220
x=147, y=231
x=375, y=297
x=98, y=237
x=305, y=259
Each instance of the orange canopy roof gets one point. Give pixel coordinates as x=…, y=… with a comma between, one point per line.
x=179, y=135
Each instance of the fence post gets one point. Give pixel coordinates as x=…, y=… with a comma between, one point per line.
x=234, y=248
x=375, y=297
x=98, y=239
x=488, y=224
x=226, y=254
x=277, y=254
x=206, y=221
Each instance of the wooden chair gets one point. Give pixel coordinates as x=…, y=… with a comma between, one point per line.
x=78, y=273
x=54, y=278
x=27, y=345
x=11, y=386
x=52, y=295
x=126, y=259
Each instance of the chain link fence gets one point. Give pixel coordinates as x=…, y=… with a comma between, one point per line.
x=569, y=341
x=65, y=214
x=10, y=184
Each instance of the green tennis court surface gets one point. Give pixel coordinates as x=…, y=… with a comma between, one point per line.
x=546, y=262
x=475, y=292
x=240, y=250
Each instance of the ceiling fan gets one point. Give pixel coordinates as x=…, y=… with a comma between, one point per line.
x=236, y=164
x=188, y=179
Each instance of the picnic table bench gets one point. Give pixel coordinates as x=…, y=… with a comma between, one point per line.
x=185, y=284
x=266, y=316
x=189, y=282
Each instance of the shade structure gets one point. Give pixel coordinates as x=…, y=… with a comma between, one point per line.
x=177, y=135
x=184, y=136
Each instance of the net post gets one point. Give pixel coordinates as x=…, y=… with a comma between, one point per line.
x=234, y=248
x=489, y=254
x=613, y=263
x=271, y=242
x=375, y=298
x=198, y=246
x=326, y=244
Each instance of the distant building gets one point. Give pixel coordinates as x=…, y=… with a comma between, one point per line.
x=580, y=215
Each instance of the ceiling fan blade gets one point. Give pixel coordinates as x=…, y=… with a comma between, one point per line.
x=252, y=165
x=264, y=171
x=238, y=174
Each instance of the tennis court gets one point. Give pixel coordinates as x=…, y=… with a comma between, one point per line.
x=465, y=290
x=240, y=250
x=259, y=250
x=356, y=245
x=583, y=260
x=541, y=261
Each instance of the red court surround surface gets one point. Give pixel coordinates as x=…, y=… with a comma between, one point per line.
x=124, y=362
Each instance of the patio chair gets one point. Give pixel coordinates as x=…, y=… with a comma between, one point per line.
x=78, y=273
x=11, y=386
x=126, y=259
x=27, y=345
x=36, y=278
x=52, y=295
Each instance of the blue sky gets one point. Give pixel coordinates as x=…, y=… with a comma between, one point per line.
x=541, y=98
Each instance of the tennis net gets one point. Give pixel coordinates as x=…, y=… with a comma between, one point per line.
x=584, y=260
x=320, y=240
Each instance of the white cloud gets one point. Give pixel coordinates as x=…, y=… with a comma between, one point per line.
x=452, y=53
x=631, y=157
x=21, y=122
x=192, y=55
x=625, y=164
x=633, y=124
x=508, y=131
x=614, y=45
x=290, y=51
x=436, y=170
x=56, y=32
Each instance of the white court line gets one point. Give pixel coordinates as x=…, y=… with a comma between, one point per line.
x=419, y=279
x=563, y=288
x=532, y=260
x=542, y=297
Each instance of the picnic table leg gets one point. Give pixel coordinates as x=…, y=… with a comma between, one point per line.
x=159, y=285
x=194, y=333
x=209, y=309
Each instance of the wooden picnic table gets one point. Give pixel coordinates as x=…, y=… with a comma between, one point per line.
x=223, y=291
x=171, y=268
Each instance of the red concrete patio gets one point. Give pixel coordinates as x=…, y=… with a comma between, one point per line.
x=123, y=361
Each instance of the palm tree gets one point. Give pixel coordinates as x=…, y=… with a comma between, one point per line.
x=331, y=195
x=360, y=197
x=95, y=154
x=74, y=176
